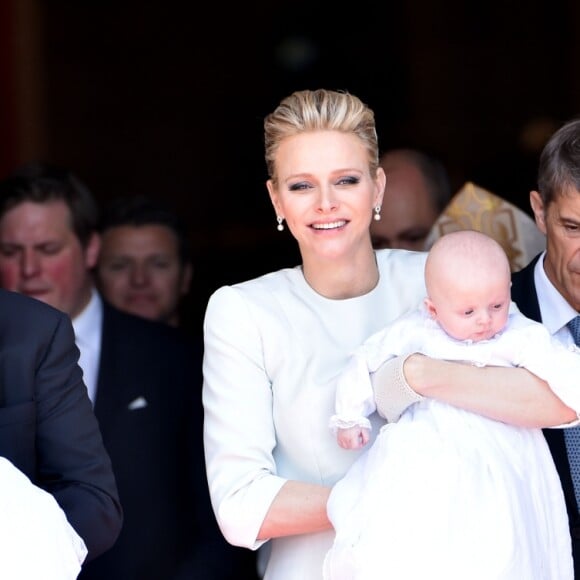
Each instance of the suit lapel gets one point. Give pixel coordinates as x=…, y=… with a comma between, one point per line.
x=524, y=291
x=110, y=394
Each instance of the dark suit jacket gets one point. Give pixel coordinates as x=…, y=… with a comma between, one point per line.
x=157, y=455
x=47, y=426
x=525, y=296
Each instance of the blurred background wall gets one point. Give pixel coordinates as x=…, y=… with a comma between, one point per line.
x=167, y=98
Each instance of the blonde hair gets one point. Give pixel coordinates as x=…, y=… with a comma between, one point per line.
x=320, y=110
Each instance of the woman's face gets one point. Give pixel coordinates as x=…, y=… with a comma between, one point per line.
x=325, y=192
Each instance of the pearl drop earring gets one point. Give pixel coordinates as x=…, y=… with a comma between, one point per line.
x=280, y=226
x=377, y=215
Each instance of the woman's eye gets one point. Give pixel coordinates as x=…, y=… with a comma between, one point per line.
x=299, y=186
x=350, y=180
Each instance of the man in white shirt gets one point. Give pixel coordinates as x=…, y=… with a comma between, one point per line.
x=548, y=289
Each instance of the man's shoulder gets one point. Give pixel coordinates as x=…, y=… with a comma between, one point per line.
x=125, y=326
x=523, y=291
x=19, y=307
x=523, y=280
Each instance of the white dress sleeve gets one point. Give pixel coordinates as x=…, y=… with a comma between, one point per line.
x=239, y=432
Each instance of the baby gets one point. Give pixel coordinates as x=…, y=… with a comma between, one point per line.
x=444, y=493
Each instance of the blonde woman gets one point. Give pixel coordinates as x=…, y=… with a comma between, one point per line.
x=275, y=345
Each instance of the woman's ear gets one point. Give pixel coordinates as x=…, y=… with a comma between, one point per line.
x=380, y=181
x=274, y=197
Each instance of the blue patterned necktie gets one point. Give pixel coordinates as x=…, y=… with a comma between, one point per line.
x=572, y=435
x=574, y=326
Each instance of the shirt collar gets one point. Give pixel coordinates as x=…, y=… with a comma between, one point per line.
x=555, y=310
x=87, y=324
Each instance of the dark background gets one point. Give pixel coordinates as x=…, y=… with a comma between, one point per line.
x=167, y=99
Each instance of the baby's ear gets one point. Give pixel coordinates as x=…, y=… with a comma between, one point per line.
x=430, y=307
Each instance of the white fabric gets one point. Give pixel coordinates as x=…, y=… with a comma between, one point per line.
x=37, y=540
x=446, y=494
x=554, y=309
x=273, y=350
x=88, y=327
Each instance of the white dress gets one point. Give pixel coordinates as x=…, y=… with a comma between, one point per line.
x=273, y=351
x=445, y=494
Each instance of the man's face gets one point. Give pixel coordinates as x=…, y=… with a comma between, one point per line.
x=560, y=222
x=40, y=256
x=139, y=271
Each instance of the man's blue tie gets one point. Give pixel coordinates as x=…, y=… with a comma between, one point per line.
x=572, y=435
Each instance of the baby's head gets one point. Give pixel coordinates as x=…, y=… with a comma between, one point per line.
x=468, y=280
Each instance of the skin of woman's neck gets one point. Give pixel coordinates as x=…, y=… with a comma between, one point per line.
x=342, y=279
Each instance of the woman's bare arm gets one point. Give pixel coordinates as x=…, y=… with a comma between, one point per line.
x=511, y=395
x=299, y=508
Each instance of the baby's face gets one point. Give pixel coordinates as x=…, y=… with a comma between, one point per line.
x=473, y=311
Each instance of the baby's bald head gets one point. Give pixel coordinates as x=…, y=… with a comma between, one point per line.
x=468, y=279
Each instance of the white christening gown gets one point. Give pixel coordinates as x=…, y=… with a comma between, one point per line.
x=445, y=494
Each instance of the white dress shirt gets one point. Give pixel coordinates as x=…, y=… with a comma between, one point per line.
x=555, y=311
x=88, y=330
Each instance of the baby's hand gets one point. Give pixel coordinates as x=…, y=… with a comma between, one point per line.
x=353, y=438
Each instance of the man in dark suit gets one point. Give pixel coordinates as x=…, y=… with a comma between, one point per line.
x=548, y=289
x=47, y=426
x=143, y=377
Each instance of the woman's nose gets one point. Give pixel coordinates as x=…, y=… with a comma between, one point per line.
x=327, y=200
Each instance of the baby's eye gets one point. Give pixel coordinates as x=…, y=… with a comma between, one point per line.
x=498, y=306
x=468, y=312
